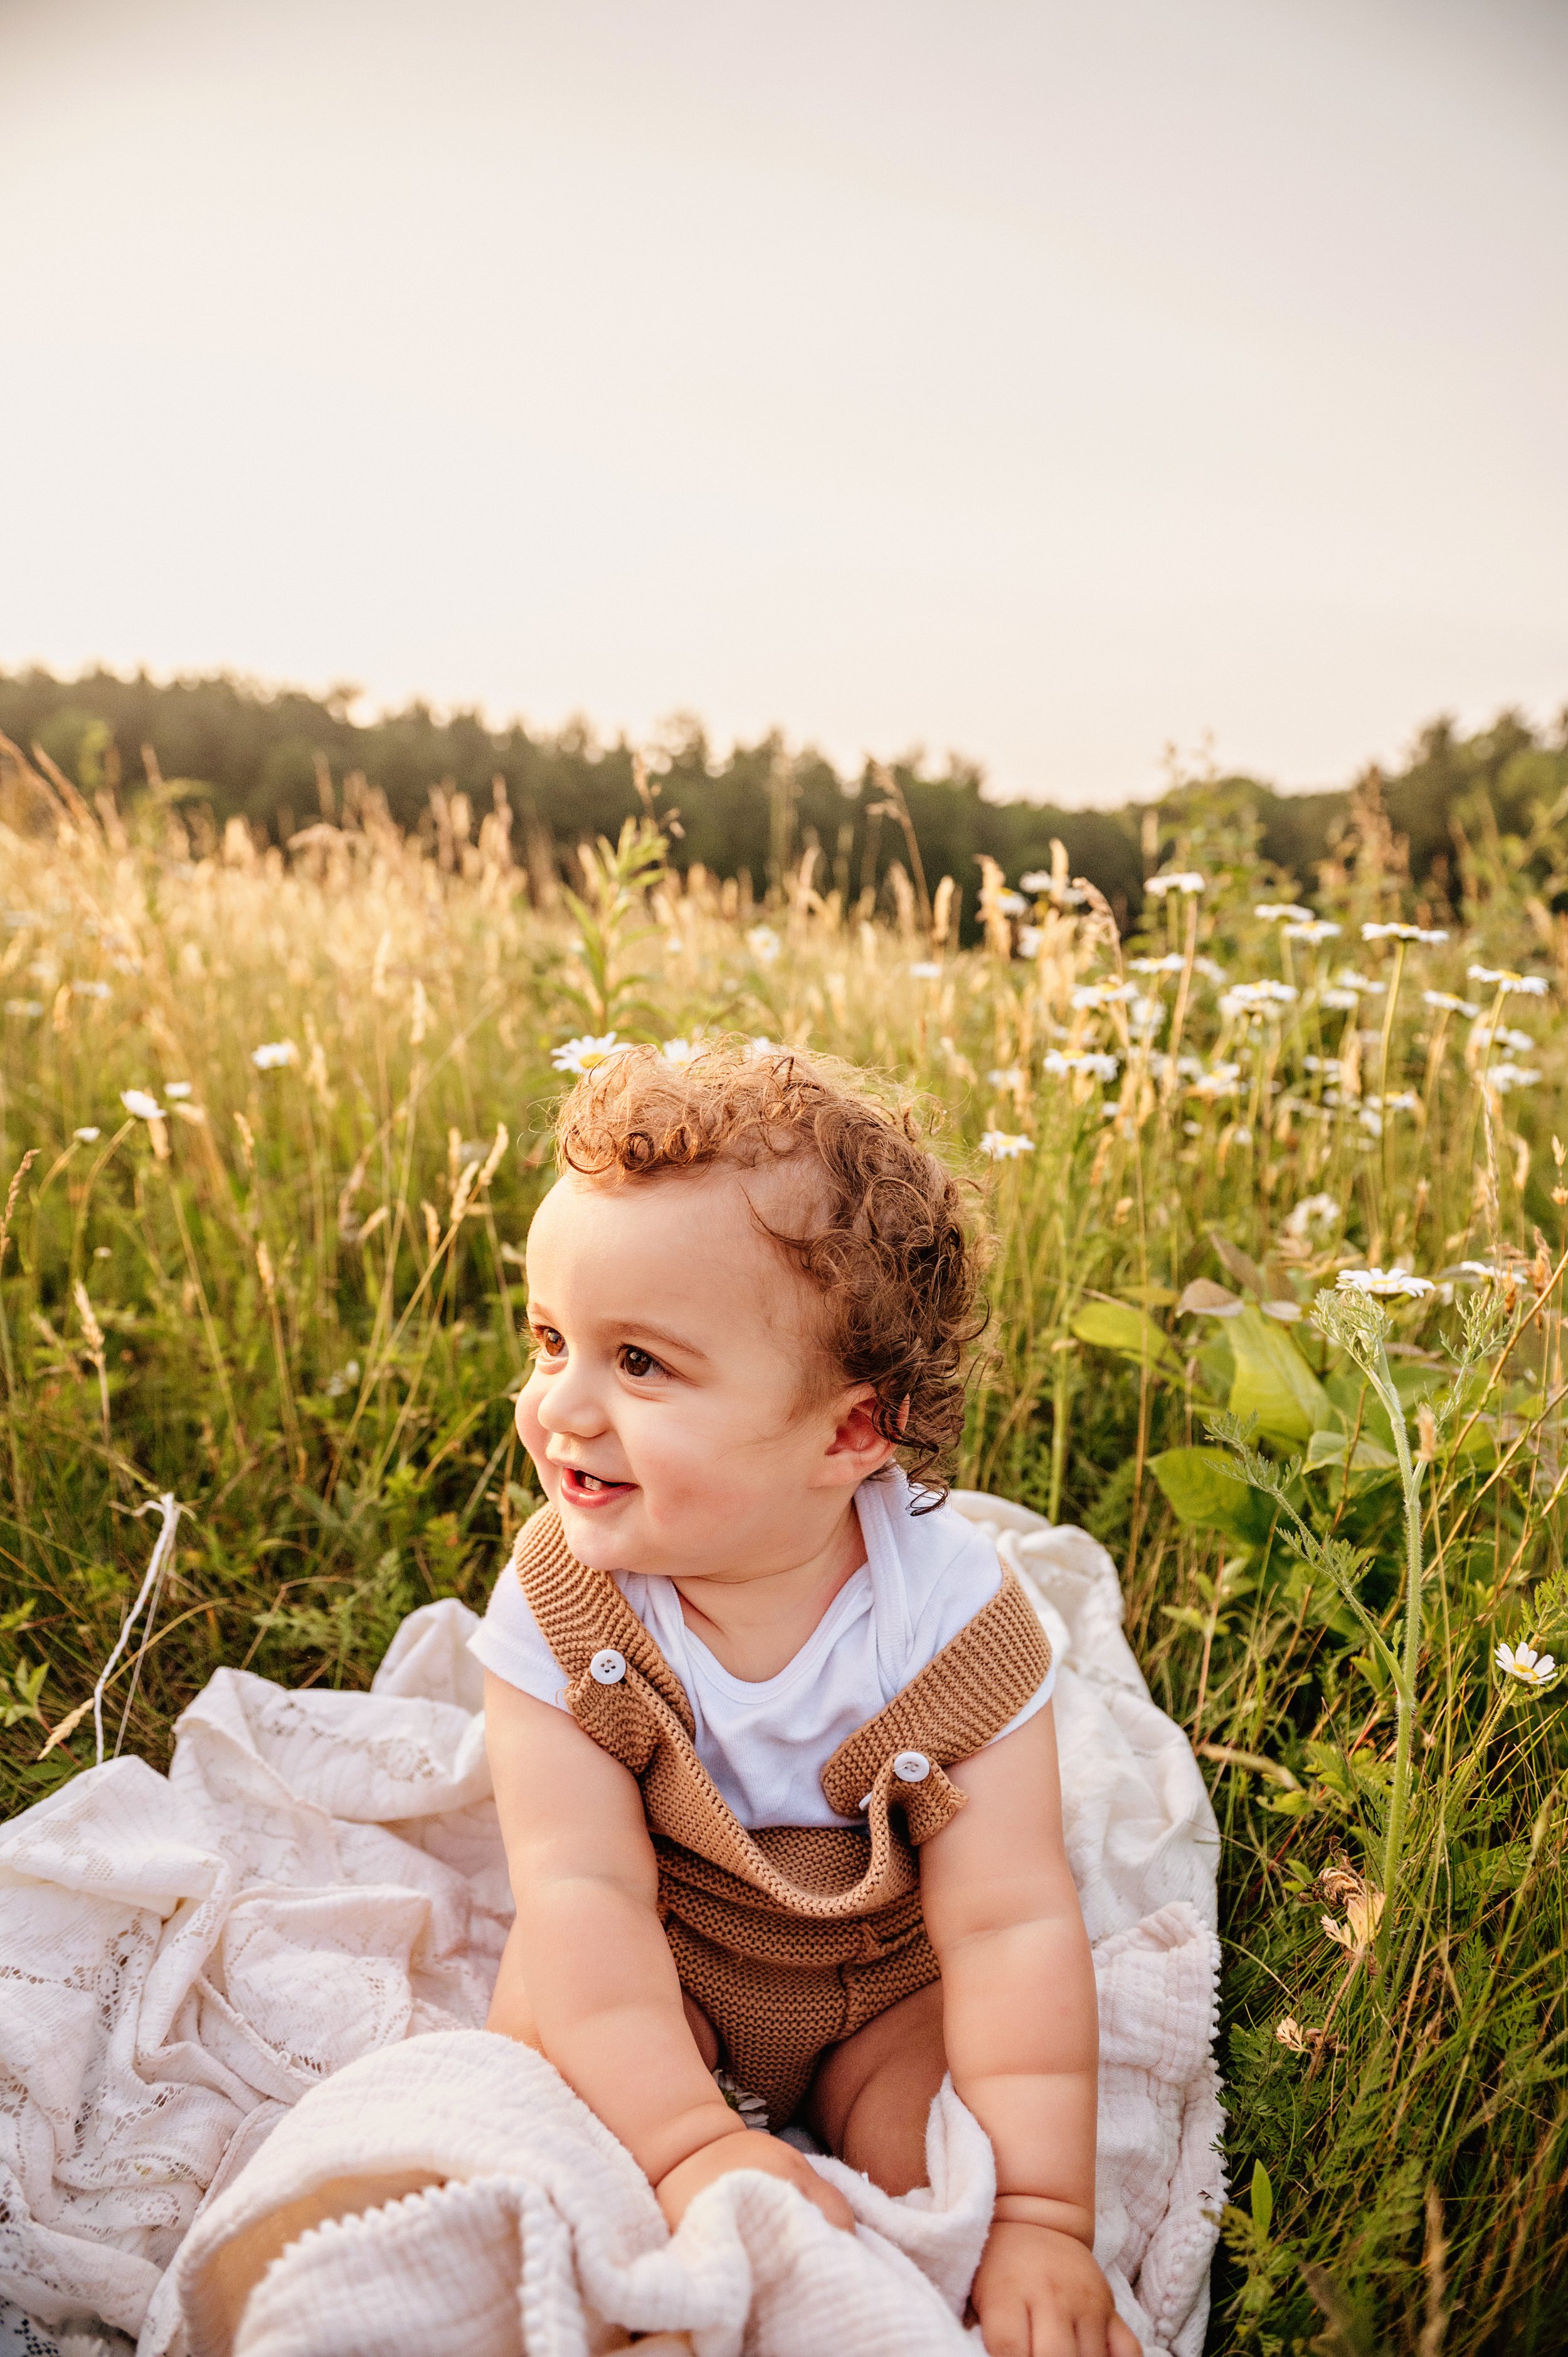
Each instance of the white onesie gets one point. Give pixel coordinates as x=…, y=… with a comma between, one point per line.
x=765, y=1742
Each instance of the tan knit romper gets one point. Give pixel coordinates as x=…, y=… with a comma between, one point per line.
x=789, y=1937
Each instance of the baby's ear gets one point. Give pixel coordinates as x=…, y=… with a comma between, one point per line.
x=857, y=1446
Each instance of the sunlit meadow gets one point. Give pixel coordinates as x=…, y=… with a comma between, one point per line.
x=1279, y=1243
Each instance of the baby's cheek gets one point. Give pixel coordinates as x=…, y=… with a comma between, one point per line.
x=697, y=1473
x=530, y=1431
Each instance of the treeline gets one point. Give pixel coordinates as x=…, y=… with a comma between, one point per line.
x=276, y=758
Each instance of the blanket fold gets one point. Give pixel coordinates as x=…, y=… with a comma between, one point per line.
x=213, y=1983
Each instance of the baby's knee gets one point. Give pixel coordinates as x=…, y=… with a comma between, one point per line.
x=873, y=2094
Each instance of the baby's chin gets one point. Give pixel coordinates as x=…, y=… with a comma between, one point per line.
x=602, y=1537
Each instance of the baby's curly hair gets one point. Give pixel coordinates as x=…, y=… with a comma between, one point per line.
x=889, y=1250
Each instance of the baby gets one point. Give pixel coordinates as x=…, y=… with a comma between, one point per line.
x=770, y=1730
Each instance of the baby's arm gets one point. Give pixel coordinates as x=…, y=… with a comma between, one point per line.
x=1021, y=2029
x=588, y=1977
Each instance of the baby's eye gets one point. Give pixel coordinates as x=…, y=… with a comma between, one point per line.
x=636, y=1362
x=551, y=1344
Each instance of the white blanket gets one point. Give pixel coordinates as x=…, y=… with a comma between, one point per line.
x=319, y=1880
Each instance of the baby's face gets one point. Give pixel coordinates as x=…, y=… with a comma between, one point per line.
x=676, y=1411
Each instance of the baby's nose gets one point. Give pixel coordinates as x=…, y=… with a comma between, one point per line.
x=571, y=1405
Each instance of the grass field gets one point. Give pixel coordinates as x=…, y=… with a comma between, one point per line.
x=273, y=1130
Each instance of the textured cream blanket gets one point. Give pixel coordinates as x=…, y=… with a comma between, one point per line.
x=311, y=1905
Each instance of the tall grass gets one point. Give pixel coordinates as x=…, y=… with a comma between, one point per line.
x=283, y=1283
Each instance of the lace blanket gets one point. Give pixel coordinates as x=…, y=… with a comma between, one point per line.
x=319, y=1879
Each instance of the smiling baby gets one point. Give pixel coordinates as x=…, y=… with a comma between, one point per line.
x=770, y=1728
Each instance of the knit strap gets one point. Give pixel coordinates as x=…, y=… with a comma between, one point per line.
x=951, y=1708
x=582, y=1612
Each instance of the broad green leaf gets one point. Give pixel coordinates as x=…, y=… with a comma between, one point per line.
x=1203, y=1493
x=1367, y=1457
x=1117, y=1326
x=1360, y=1409
x=1216, y=1359
x=1273, y=1381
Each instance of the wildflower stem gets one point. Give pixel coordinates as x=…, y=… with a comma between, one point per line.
x=1061, y=1395
x=1184, y=989
x=1385, y=1139
x=1404, y=1686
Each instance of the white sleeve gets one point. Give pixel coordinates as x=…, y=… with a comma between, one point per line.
x=509, y=1642
x=1036, y=1701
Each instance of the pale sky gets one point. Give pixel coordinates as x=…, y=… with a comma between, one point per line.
x=1047, y=382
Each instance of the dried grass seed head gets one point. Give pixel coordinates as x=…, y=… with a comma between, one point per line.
x=883, y=1232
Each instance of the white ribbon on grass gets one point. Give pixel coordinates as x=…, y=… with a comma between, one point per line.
x=168, y=1506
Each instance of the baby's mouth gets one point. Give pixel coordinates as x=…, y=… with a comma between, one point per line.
x=591, y=1489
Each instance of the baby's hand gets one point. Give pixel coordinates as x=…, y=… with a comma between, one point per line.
x=1039, y=2294
x=749, y=2148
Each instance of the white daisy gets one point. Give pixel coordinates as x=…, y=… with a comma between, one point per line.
x=1523, y=1662
x=140, y=1105
x=1519, y=1042
x=1385, y=1284
x=1065, y=896
x=1094, y=995
x=1060, y=1062
x=1348, y=979
x=273, y=1054
x=588, y=1053
x=1004, y=1146
x=1185, y=880
x=1504, y=979
x=1257, y=1001
x=1313, y=1214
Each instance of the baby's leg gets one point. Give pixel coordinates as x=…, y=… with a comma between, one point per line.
x=873, y=2094
x=512, y=2014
